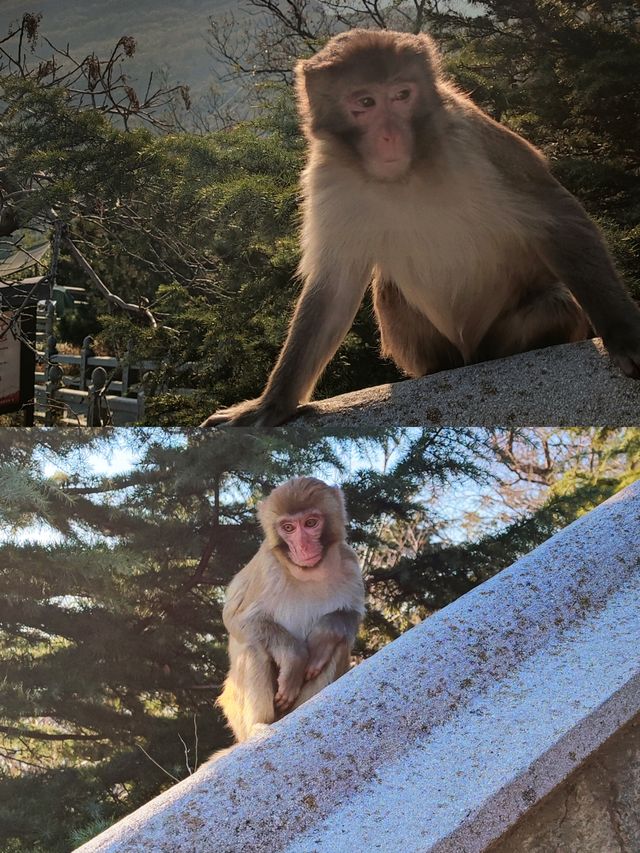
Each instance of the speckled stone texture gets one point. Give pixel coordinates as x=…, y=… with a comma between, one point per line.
x=596, y=810
x=449, y=735
x=568, y=385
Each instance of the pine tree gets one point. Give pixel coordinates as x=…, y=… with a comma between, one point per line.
x=111, y=583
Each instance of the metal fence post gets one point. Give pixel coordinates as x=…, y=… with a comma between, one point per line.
x=53, y=407
x=85, y=354
x=95, y=394
x=126, y=369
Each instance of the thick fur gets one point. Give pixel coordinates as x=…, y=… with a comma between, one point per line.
x=281, y=617
x=477, y=252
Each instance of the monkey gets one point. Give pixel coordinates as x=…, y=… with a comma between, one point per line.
x=473, y=249
x=293, y=611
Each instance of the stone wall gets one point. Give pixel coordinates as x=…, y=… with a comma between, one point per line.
x=567, y=385
x=596, y=810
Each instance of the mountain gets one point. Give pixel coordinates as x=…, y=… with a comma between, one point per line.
x=169, y=35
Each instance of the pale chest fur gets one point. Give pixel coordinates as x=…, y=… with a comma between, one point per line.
x=298, y=605
x=448, y=246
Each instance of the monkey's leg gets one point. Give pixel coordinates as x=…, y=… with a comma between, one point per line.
x=573, y=249
x=543, y=316
x=408, y=337
x=337, y=666
x=247, y=697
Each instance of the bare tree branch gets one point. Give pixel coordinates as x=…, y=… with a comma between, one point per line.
x=102, y=287
x=34, y=734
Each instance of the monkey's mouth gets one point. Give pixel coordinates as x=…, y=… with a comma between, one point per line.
x=306, y=562
x=389, y=168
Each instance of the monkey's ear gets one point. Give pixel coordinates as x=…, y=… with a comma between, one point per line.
x=429, y=56
x=339, y=496
x=264, y=516
x=312, y=93
x=300, y=83
x=316, y=96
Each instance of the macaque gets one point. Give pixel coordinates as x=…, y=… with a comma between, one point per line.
x=473, y=249
x=293, y=611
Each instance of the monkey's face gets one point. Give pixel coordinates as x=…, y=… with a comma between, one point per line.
x=380, y=115
x=302, y=536
x=371, y=95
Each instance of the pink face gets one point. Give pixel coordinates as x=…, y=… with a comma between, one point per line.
x=382, y=111
x=301, y=534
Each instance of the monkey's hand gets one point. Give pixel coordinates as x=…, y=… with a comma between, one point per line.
x=624, y=350
x=260, y=412
x=290, y=678
x=322, y=644
x=333, y=629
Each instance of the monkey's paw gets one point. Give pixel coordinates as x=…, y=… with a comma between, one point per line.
x=321, y=649
x=257, y=412
x=318, y=662
x=289, y=686
x=286, y=696
x=626, y=354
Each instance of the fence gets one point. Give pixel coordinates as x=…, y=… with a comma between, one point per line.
x=102, y=391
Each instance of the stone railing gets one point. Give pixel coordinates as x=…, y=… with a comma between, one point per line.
x=567, y=385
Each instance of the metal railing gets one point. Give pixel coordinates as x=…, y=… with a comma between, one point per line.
x=104, y=390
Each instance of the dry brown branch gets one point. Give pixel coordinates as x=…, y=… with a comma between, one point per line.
x=102, y=287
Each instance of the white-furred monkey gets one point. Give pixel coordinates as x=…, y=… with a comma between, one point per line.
x=474, y=250
x=293, y=611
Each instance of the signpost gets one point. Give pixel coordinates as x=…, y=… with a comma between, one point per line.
x=10, y=353
x=17, y=346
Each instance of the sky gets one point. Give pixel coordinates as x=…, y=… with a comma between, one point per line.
x=120, y=455
x=123, y=449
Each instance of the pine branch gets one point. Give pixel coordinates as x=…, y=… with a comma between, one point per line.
x=34, y=734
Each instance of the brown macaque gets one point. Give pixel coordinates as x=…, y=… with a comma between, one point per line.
x=473, y=249
x=293, y=611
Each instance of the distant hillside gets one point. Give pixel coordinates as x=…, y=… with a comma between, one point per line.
x=169, y=35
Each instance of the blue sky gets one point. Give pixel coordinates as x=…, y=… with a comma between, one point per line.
x=123, y=449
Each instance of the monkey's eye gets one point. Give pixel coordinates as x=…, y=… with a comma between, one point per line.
x=311, y=522
x=402, y=95
x=367, y=102
x=288, y=527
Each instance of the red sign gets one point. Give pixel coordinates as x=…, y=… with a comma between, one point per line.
x=10, y=354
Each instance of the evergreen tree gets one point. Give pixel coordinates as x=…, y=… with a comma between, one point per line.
x=203, y=225
x=111, y=584
x=113, y=647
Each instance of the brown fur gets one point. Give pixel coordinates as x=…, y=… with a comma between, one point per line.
x=477, y=252
x=296, y=496
x=290, y=630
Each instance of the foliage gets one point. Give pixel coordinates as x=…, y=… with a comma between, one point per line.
x=112, y=646
x=202, y=226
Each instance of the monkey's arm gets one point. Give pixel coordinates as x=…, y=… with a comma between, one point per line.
x=289, y=653
x=575, y=251
x=323, y=316
x=245, y=619
x=340, y=626
x=245, y=588
x=569, y=243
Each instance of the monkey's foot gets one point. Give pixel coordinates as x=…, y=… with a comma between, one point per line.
x=289, y=687
x=316, y=665
x=626, y=354
x=257, y=412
